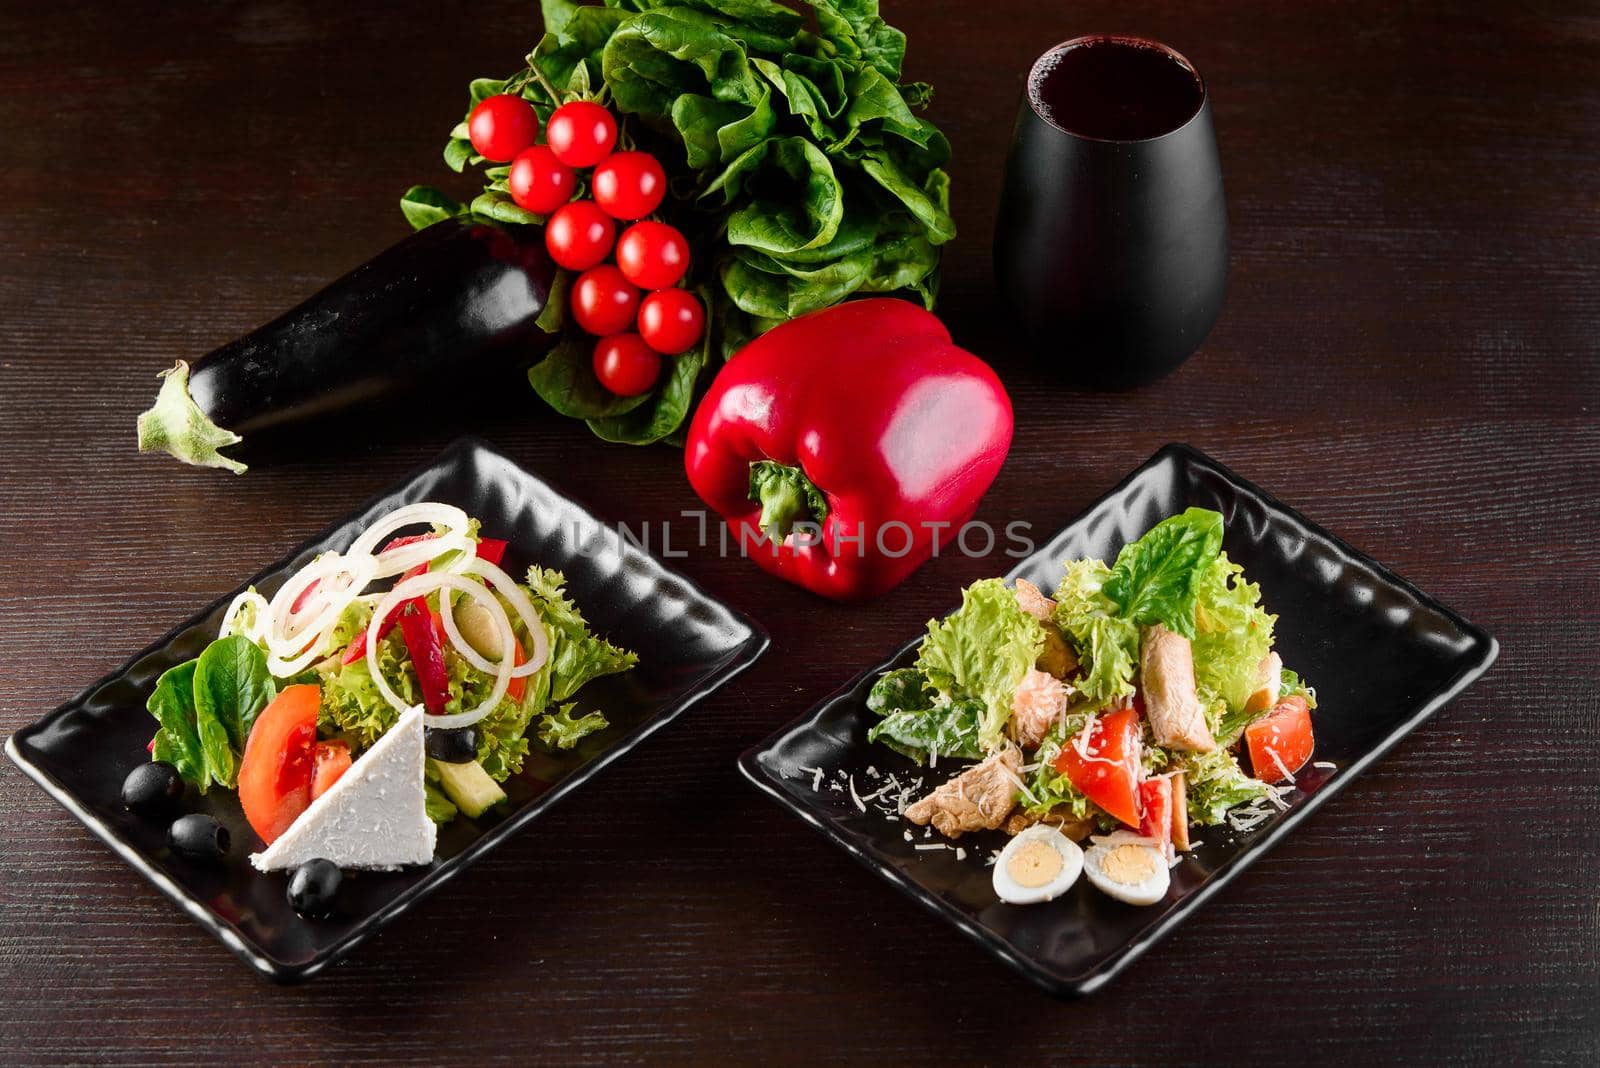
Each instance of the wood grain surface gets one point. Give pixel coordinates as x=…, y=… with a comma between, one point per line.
x=1408, y=353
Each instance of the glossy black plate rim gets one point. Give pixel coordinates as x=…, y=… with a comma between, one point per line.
x=228, y=933
x=1081, y=984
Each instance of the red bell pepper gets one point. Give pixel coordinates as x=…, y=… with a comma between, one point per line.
x=863, y=419
x=490, y=550
x=427, y=653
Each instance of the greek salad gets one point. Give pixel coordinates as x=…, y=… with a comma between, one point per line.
x=378, y=693
x=1117, y=710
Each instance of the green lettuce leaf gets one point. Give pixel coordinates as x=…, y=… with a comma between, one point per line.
x=177, y=740
x=1048, y=788
x=1233, y=634
x=232, y=685
x=437, y=803
x=1157, y=578
x=981, y=651
x=559, y=730
x=577, y=656
x=1214, y=783
x=1107, y=644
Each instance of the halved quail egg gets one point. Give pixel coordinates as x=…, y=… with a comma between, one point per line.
x=1128, y=870
x=1037, y=865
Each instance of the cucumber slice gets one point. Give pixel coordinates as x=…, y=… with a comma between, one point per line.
x=469, y=786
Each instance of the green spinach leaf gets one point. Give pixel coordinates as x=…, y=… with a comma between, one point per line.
x=231, y=686
x=1157, y=578
x=177, y=740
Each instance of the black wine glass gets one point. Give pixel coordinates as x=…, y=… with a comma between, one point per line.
x=1111, y=245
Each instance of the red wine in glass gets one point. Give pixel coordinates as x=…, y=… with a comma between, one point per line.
x=1111, y=244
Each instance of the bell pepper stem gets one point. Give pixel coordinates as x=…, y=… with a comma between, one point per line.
x=787, y=498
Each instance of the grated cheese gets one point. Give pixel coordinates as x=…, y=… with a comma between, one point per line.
x=1327, y=765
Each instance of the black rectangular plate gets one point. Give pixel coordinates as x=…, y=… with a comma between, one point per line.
x=1383, y=655
x=688, y=645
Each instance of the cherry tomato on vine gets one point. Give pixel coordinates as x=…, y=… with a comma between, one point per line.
x=625, y=365
x=539, y=182
x=501, y=126
x=603, y=301
x=579, y=235
x=581, y=133
x=652, y=254
x=671, y=321
x=629, y=185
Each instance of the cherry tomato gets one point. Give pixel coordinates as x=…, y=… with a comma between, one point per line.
x=604, y=302
x=279, y=758
x=539, y=182
x=579, y=235
x=629, y=185
x=501, y=126
x=1109, y=776
x=581, y=133
x=671, y=321
x=652, y=254
x=625, y=365
x=1281, y=737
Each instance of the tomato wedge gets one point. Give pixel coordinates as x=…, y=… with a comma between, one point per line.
x=1280, y=742
x=1110, y=775
x=275, y=774
x=1155, y=796
x=331, y=760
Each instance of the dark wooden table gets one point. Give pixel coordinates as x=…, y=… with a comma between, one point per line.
x=1409, y=353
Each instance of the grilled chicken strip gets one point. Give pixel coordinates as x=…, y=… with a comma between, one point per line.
x=1033, y=601
x=1166, y=678
x=979, y=799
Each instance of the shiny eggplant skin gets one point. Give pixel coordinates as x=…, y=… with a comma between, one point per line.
x=431, y=312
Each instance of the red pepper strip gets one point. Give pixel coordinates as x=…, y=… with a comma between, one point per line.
x=491, y=549
x=427, y=653
x=862, y=418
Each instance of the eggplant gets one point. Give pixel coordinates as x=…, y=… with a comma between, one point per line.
x=430, y=315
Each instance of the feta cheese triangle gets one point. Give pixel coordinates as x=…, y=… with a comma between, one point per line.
x=375, y=816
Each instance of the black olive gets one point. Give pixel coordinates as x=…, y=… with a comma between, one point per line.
x=458, y=745
x=198, y=837
x=313, y=887
x=152, y=789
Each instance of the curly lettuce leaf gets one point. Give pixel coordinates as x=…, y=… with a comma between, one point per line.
x=577, y=655
x=1233, y=634
x=981, y=651
x=353, y=708
x=1049, y=789
x=1214, y=783
x=1107, y=644
x=559, y=730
